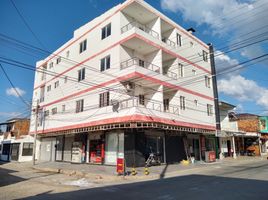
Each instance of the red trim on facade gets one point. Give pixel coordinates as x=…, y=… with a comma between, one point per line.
x=118, y=43
x=180, y=28
x=68, y=45
x=88, y=59
x=92, y=88
x=131, y=118
x=125, y=77
x=171, y=53
x=173, y=86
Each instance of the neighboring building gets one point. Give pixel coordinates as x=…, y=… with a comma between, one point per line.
x=16, y=143
x=263, y=128
x=126, y=87
x=250, y=141
x=229, y=130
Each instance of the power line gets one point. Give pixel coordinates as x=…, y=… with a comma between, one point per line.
x=15, y=89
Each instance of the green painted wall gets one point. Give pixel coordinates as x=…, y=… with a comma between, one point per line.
x=263, y=124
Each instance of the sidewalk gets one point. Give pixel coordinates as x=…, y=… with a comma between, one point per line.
x=108, y=173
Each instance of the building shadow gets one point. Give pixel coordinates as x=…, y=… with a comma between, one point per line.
x=6, y=177
x=201, y=187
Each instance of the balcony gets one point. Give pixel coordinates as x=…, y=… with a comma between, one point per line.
x=169, y=42
x=140, y=63
x=171, y=75
x=139, y=26
x=148, y=104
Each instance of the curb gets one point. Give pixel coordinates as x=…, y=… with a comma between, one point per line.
x=104, y=177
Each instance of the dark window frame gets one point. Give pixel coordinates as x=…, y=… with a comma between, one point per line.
x=105, y=63
x=104, y=99
x=81, y=74
x=79, y=106
x=82, y=46
x=27, y=149
x=106, y=31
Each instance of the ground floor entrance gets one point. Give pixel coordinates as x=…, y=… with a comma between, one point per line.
x=135, y=146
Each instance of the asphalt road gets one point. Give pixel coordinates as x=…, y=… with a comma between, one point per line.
x=248, y=180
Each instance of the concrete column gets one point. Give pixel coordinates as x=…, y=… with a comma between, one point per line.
x=233, y=146
x=87, y=150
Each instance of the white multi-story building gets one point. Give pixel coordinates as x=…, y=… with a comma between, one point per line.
x=129, y=82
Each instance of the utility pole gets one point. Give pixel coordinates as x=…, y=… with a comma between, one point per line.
x=35, y=131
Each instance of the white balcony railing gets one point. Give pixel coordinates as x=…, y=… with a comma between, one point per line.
x=172, y=75
x=141, y=63
x=151, y=105
x=141, y=27
x=169, y=42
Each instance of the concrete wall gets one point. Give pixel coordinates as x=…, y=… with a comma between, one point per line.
x=96, y=50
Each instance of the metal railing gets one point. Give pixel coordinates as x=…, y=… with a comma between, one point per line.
x=141, y=27
x=172, y=75
x=141, y=63
x=169, y=42
x=151, y=105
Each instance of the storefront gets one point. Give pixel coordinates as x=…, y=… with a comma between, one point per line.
x=193, y=141
x=247, y=144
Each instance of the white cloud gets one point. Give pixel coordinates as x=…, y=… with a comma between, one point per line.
x=244, y=89
x=12, y=92
x=231, y=17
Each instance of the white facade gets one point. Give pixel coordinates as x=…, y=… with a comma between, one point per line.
x=228, y=131
x=146, y=52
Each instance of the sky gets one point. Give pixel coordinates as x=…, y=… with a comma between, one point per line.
x=238, y=30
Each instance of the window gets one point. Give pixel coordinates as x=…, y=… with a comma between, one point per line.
x=105, y=63
x=83, y=46
x=208, y=81
x=141, y=99
x=106, y=31
x=65, y=79
x=81, y=74
x=166, y=104
x=182, y=102
x=194, y=71
x=178, y=39
x=141, y=63
x=42, y=93
x=195, y=102
x=209, y=110
x=54, y=111
x=181, y=70
x=67, y=54
x=50, y=65
x=46, y=113
x=27, y=149
x=205, y=56
x=48, y=88
x=63, y=108
x=104, y=99
x=56, y=84
x=43, y=73
x=58, y=60
x=79, y=106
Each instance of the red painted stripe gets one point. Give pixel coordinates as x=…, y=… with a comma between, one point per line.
x=171, y=53
x=172, y=86
x=125, y=77
x=92, y=88
x=88, y=59
x=118, y=43
x=68, y=45
x=178, y=27
x=131, y=118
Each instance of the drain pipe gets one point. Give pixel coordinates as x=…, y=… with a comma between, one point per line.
x=215, y=88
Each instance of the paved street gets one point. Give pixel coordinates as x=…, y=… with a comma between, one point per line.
x=235, y=180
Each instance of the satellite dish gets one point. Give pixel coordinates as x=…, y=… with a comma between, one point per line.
x=115, y=104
